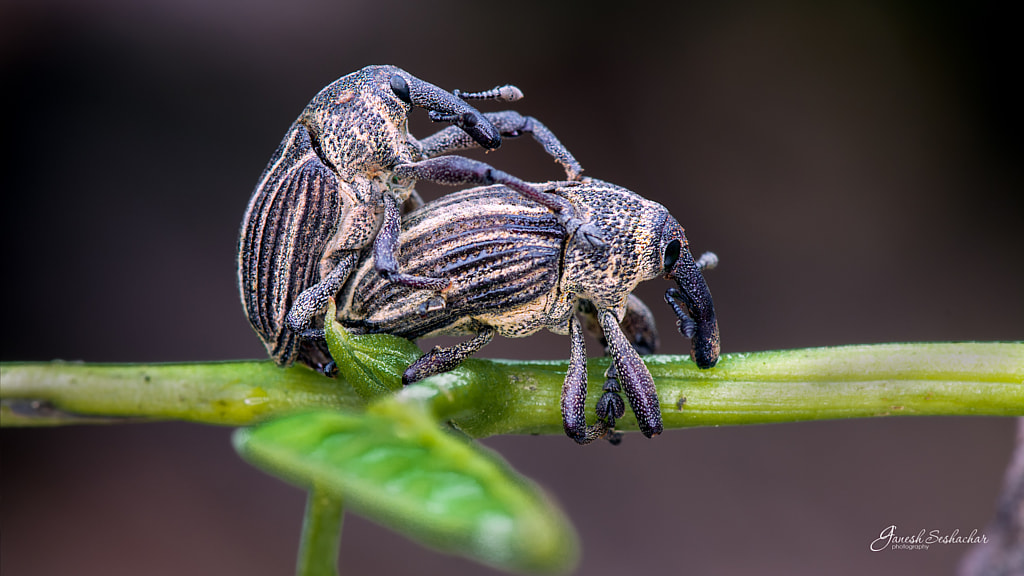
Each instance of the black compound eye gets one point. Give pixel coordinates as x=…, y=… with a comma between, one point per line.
x=469, y=120
x=671, y=255
x=401, y=88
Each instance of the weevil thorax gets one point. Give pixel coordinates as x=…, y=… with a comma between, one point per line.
x=632, y=229
x=359, y=124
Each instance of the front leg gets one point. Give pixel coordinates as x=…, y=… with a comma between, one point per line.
x=444, y=358
x=637, y=324
x=574, y=396
x=633, y=376
x=385, y=251
x=574, y=390
x=311, y=302
x=510, y=124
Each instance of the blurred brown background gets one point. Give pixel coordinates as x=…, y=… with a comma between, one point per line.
x=856, y=166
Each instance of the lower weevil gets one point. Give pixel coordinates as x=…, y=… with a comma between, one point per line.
x=514, y=270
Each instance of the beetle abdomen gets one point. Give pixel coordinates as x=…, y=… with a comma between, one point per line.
x=499, y=250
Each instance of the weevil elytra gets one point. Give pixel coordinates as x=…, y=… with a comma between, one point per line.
x=514, y=270
x=336, y=186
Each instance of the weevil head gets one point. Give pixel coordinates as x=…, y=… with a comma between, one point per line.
x=697, y=315
x=443, y=106
x=360, y=121
x=640, y=241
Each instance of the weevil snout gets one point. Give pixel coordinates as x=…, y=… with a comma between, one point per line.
x=480, y=129
x=697, y=321
x=445, y=107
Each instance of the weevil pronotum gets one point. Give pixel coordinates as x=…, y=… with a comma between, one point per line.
x=337, y=184
x=514, y=270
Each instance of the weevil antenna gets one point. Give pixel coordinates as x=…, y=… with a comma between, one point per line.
x=506, y=93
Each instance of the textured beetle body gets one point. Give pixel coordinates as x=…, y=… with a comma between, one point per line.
x=335, y=188
x=502, y=253
x=515, y=271
x=509, y=263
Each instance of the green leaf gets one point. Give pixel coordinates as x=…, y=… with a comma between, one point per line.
x=372, y=363
x=394, y=465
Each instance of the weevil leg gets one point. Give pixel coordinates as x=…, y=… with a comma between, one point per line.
x=574, y=397
x=385, y=251
x=610, y=406
x=638, y=327
x=633, y=375
x=510, y=124
x=637, y=324
x=574, y=390
x=444, y=358
x=455, y=170
x=311, y=303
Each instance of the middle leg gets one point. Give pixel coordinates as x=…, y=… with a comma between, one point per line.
x=510, y=124
x=455, y=170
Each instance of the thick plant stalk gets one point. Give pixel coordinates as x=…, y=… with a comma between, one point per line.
x=487, y=397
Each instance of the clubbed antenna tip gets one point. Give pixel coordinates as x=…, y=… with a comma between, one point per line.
x=506, y=93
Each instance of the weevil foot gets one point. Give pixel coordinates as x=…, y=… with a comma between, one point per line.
x=575, y=227
x=314, y=335
x=610, y=408
x=444, y=358
x=587, y=232
x=588, y=434
x=330, y=369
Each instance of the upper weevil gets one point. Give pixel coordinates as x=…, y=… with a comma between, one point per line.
x=514, y=271
x=337, y=184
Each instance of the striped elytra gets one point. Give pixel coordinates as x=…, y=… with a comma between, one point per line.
x=499, y=250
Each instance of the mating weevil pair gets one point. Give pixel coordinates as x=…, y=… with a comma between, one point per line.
x=336, y=186
x=508, y=259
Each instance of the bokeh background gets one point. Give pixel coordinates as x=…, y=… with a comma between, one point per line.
x=856, y=166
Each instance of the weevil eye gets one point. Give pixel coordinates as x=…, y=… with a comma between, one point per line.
x=671, y=254
x=469, y=120
x=401, y=88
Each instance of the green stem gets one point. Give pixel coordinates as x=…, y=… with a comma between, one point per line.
x=321, y=534
x=487, y=397
x=226, y=393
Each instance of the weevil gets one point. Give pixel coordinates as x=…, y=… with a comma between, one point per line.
x=336, y=186
x=514, y=270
